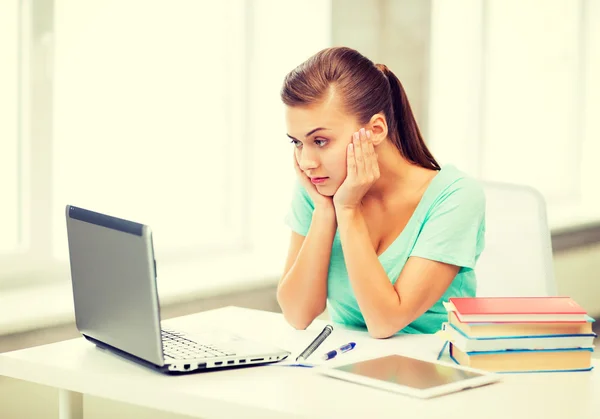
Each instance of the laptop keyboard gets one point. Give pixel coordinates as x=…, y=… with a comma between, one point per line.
x=177, y=345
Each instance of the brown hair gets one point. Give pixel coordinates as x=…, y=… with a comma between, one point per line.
x=366, y=89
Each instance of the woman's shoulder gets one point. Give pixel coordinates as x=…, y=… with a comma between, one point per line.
x=457, y=187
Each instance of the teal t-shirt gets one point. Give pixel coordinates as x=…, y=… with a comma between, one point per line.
x=448, y=226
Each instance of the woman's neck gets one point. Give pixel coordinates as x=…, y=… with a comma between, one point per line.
x=399, y=178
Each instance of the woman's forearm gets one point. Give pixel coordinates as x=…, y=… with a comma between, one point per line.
x=302, y=292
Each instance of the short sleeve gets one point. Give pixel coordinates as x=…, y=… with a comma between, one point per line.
x=299, y=215
x=454, y=229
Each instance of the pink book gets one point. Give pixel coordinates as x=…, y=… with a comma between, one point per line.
x=517, y=309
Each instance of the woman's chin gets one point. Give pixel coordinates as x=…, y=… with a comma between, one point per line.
x=325, y=191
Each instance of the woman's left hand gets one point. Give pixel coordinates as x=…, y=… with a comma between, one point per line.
x=363, y=171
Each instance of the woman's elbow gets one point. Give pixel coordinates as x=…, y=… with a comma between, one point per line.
x=380, y=333
x=383, y=330
x=299, y=315
x=299, y=321
x=298, y=318
x=298, y=324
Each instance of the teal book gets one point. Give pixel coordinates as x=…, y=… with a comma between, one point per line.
x=522, y=329
x=468, y=343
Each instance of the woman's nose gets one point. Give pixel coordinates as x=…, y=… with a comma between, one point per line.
x=307, y=161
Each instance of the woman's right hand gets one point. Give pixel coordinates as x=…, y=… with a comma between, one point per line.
x=320, y=201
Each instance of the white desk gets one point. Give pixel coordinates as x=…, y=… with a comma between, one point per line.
x=77, y=367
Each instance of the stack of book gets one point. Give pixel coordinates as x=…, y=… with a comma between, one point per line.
x=519, y=334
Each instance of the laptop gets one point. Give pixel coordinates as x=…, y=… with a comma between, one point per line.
x=113, y=273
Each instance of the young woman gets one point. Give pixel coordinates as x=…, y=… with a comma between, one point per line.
x=380, y=233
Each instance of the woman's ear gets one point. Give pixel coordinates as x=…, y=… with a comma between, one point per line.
x=379, y=128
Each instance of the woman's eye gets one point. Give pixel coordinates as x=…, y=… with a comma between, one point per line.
x=320, y=142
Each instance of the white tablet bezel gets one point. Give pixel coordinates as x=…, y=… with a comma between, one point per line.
x=486, y=378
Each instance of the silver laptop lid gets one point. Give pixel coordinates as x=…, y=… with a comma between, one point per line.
x=113, y=274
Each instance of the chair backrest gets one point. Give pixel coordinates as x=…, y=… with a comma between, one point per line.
x=517, y=259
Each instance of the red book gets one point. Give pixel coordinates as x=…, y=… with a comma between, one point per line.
x=518, y=309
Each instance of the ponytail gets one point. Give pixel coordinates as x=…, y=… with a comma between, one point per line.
x=405, y=133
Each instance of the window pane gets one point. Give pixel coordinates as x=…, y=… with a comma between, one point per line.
x=148, y=117
x=9, y=157
x=531, y=128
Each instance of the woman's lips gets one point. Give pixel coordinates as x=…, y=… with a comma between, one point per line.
x=318, y=180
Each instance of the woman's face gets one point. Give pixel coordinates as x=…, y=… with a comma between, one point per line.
x=320, y=135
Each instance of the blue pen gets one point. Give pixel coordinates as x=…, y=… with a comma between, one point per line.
x=345, y=348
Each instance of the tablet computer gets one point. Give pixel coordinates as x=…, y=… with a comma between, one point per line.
x=412, y=376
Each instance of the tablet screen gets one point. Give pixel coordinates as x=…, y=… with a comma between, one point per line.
x=409, y=372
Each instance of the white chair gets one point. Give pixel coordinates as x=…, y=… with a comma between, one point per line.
x=517, y=259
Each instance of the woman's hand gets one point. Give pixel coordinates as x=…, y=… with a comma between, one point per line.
x=363, y=171
x=320, y=201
